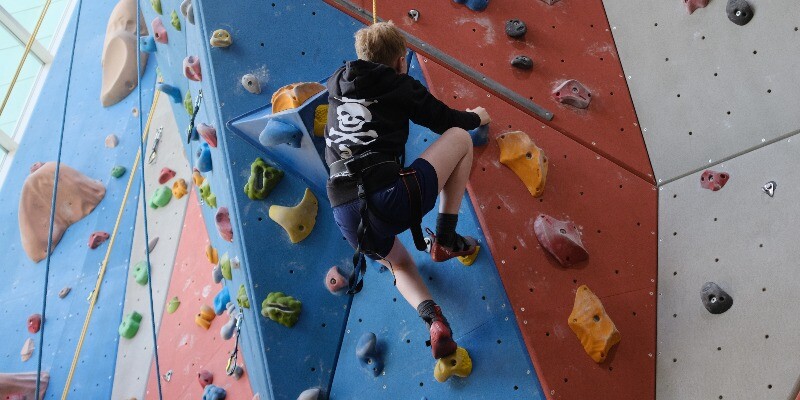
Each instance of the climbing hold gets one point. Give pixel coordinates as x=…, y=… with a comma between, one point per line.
x=205, y=377
x=216, y=274
x=187, y=10
x=160, y=197
x=480, y=135
x=191, y=68
x=130, y=325
x=120, y=48
x=561, y=239
x=469, y=259
x=179, y=188
x=573, y=93
x=226, y=332
x=111, y=142
x=173, y=305
x=203, y=158
x=171, y=91
x=294, y=95
x=692, y=5
x=223, y=221
x=458, y=364
x=208, y=197
x=204, y=318
x=251, y=84
x=235, y=262
x=197, y=178
x=221, y=38
x=77, y=197
x=152, y=244
x=263, y=178
x=156, y=6
x=522, y=62
x=739, y=11
x=140, y=273
x=118, y=171
x=516, y=28
x=368, y=354
x=592, y=325
x=550, y=2
x=225, y=267
x=97, y=238
x=187, y=103
x=27, y=350
x=715, y=300
x=335, y=281
x=238, y=372
x=297, y=221
x=279, y=132
x=159, y=32
x=281, y=308
x=320, y=120
x=166, y=175
x=208, y=133
x=211, y=254
x=212, y=392
x=413, y=14
x=713, y=180
x=769, y=188
x=241, y=297
x=64, y=292
x=310, y=394
x=35, y=166
x=34, y=323
x=176, y=22
x=519, y=152
x=474, y=5
x=147, y=44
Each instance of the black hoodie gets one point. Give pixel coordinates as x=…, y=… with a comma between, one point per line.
x=369, y=106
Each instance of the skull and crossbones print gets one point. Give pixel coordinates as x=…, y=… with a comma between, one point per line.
x=351, y=115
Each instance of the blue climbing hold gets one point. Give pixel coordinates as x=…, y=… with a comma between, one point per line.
x=147, y=44
x=474, y=5
x=278, y=132
x=221, y=301
x=480, y=135
x=171, y=91
x=368, y=355
x=203, y=163
x=214, y=392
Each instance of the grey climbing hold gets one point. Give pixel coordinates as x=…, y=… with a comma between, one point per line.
x=739, y=11
x=226, y=332
x=251, y=84
x=769, y=188
x=237, y=372
x=522, y=62
x=368, y=354
x=187, y=11
x=413, y=14
x=168, y=376
x=64, y=292
x=516, y=28
x=216, y=273
x=310, y=394
x=715, y=300
x=152, y=244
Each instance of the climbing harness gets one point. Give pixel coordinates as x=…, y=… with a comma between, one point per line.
x=190, y=133
x=156, y=141
x=230, y=369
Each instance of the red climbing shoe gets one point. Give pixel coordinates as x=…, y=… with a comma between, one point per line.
x=465, y=246
x=442, y=343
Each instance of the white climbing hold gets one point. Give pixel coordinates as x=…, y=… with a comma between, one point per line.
x=251, y=84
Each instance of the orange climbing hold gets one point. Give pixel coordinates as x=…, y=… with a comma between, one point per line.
x=179, y=188
x=211, y=254
x=519, y=152
x=592, y=325
x=205, y=316
x=197, y=178
x=292, y=96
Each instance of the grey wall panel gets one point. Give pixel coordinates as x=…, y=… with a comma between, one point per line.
x=704, y=88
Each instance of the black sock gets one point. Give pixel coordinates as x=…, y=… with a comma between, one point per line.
x=427, y=311
x=446, y=229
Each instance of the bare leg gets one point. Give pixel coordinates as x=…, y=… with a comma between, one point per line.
x=451, y=157
x=409, y=282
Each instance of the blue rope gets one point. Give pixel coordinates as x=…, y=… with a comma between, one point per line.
x=53, y=204
x=143, y=151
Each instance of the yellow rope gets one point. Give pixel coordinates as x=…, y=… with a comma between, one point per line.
x=101, y=274
x=24, y=56
x=374, y=11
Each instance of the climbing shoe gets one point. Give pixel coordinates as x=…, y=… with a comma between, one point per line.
x=441, y=341
x=462, y=246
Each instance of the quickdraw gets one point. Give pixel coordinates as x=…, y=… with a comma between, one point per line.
x=230, y=369
x=190, y=130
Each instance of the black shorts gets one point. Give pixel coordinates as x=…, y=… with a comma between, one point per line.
x=392, y=204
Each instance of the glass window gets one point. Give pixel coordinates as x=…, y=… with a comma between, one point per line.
x=28, y=12
x=11, y=49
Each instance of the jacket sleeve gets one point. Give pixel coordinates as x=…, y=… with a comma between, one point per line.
x=426, y=110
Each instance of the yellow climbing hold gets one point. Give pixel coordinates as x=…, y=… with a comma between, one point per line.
x=591, y=324
x=519, y=152
x=211, y=254
x=179, y=188
x=297, y=221
x=197, y=178
x=458, y=364
x=320, y=119
x=468, y=260
x=294, y=95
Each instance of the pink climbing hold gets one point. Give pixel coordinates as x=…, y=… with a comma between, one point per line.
x=335, y=281
x=166, y=175
x=208, y=133
x=561, y=239
x=205, y=377
x=191, y=68
x=224, y=228
x=36, y=166
x=16, y=396
x=159, y=32
x=34, y=323
x=573, y=93
x=713, y=180
x=692, y=5
x=97, y=238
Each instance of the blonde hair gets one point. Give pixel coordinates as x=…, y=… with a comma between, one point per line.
x=380, y=43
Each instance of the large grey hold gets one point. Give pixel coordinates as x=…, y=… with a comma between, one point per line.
x=739, y=11
x=522, y=62
x=516, y=28
x=715, y=300
x=187, y=11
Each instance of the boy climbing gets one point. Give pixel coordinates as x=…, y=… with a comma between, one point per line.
x=373, y=197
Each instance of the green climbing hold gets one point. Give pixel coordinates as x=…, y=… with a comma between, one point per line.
x=161, y=197
x=173, y=305
x=209, y=197
x=130, y=325
x=225, y=266
x=118, y=171
x=263, y=179
x=140, y=273
x=281, y=308
x=156, y=6
x=176, y=22
x=187, y=101
x=241, y=298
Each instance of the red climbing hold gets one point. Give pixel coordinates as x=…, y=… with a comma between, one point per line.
x=713, y=180
x=36, y=166
x=335, y=281
x=166, y=175
x=205, y=377
x=561, y=239
x=97, y=238
x=692, y=5
x=34, y=323
x=224, y=228
x=208, y=133
x=573, y=93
